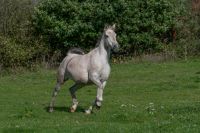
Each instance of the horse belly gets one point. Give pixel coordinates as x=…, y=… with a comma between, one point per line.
x=78, y=72
x=80, y=77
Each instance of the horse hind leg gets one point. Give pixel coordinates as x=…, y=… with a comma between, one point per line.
x=73, y=90
x=61, y=78
x=54, y=94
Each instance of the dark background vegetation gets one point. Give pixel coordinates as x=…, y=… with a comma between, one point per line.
x=38, y=31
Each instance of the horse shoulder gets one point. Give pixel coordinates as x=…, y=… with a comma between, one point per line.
x=105, y=72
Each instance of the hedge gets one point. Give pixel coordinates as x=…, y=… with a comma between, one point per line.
x=142, y=25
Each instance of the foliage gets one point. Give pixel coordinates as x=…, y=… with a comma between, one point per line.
x=18, y=46
x=31, y=32
x=14, y=53
x=142, y=25
x=188, y=37
x=14, y=18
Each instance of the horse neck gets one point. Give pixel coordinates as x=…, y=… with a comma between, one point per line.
x=104, y=51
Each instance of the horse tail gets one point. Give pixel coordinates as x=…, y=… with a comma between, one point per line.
x=76, y=51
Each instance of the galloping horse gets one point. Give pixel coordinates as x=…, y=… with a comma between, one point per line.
x=85, y=69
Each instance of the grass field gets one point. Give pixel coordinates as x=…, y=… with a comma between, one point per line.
x=139, y=97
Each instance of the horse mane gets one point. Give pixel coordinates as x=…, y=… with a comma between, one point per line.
x=76, y=51
x=99, y=40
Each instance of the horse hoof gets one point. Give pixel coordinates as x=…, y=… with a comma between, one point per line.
x=98, y=107
x=50, y=110
x=72, y=110
x=88, y=112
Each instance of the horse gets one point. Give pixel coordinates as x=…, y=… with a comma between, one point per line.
x=85, y=69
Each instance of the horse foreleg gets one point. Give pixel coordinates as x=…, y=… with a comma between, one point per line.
x=99, y=97
x=54, y=94
x=73, y=90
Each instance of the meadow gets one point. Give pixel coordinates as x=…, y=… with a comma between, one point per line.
x=139, y=97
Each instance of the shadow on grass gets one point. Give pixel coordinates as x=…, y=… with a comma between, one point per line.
x=65, y=109
x=18, y=130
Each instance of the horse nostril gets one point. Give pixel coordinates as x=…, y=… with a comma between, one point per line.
x=116, y=45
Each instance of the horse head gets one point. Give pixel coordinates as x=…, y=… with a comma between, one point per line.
x=110, y=38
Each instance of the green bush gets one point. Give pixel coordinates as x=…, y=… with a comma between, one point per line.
x=142, y=25
x=18, y=47
x=14, y=54
x=187, y=29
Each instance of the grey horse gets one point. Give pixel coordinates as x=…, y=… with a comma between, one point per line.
x=85, y=69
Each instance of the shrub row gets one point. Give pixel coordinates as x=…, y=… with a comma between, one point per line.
x=29, y=33
x=142, y=25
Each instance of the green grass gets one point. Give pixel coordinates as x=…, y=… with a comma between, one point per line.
x=143, y=97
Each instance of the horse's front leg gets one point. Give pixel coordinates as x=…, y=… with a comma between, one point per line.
x=99, y=97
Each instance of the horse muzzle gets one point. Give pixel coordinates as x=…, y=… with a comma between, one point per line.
x=115, y=47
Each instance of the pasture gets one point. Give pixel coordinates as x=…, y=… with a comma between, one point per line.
x=139, y=97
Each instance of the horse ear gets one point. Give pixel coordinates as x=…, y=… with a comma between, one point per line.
x=105, y=27
x=114, y=26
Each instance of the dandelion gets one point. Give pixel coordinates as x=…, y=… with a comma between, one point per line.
x=151, y=103
x=133, y=106
x=123, y=105
x=151, y=109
